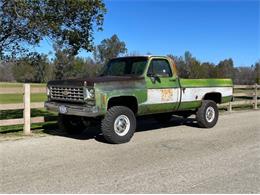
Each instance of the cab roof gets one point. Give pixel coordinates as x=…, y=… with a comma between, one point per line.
x=142, y=56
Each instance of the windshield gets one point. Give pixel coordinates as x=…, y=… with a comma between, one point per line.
x=125, y=66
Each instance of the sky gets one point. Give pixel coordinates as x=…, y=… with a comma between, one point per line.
x=212, y=30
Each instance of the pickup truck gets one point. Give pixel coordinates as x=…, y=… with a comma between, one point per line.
x=135, y=86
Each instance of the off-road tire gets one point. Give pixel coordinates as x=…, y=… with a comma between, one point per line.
x=108, y=123
x=72, y=125
x=201, y=114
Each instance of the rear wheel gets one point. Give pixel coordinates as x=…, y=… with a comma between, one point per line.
x=207, y=114
x=73, y=125
x=119, y=125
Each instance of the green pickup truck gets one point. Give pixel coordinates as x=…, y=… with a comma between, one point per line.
x=131, y=87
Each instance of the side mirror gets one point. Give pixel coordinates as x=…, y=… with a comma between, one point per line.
x=153, y=77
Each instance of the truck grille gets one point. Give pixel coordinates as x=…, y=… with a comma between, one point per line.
x=70, y=94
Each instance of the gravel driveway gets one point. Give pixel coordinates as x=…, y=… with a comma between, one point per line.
x=178, y=158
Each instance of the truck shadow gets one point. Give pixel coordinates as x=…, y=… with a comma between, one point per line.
x=94, y=132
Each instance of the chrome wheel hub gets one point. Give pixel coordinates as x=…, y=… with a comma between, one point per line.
x=210, y=114
x=122, y=125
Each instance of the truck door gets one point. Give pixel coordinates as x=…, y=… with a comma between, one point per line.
x=163, y=92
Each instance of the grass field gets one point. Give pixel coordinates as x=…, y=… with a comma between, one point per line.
x=7, y=84
x=18, y=98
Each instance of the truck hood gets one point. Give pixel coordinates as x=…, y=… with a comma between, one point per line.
x=91, y=81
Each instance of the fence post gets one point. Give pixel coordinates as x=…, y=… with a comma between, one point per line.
x=27, y=110
x=255, y=97
x=230, y=107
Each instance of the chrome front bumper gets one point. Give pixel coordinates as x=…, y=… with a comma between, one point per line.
x=72, y=109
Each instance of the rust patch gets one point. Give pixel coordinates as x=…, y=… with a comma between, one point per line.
x=166, y=94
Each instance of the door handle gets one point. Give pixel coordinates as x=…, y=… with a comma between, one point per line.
x=172, y=80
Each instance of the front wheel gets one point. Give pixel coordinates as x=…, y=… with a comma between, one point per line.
x=207, y=114
x=119, y=125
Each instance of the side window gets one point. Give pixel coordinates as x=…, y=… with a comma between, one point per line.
x=159, y=67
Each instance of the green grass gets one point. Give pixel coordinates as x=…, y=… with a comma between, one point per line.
x=7, y=84
x=12, y=114
x=18, y=98
x=17, y=129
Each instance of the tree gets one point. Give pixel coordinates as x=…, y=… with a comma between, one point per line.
x=208, y=70
x=33, y=67
x=109, y=48
x=257, y=72
x=43, y=69
x=69, y=66
x=69, y=22
x=84, y=67
x=181, y=66
x=6, y=73
x=63, y=63
x=225, y=69
x=189, y=66
x=196, y=71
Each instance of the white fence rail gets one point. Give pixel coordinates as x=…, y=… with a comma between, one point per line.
x=253, y=94
x=26, y=106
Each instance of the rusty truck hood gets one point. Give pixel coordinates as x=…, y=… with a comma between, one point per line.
x=91, y=81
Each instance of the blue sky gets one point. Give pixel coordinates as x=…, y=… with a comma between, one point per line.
x=210, y=30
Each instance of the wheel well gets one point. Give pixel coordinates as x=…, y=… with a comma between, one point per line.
x=128, y=101
x=214, y=96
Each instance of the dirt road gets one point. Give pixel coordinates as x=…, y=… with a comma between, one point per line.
x=178, y=158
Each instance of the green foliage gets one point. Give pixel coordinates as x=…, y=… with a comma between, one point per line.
x=68, y=22
x=62, y=63
x=225, y=69
x=32, y=68
x=257, y=72
x=108, y=49
x=84, y=67
x=69, y=66
x=6, y=72
x=23, y=72
x=190, y=67
x=208, y=70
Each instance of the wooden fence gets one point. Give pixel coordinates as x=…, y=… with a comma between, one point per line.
x=251, y=97
x=26, y=106
x=27, y=120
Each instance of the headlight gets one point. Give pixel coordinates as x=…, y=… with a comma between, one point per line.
x=90, y=93
x=47, y=91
